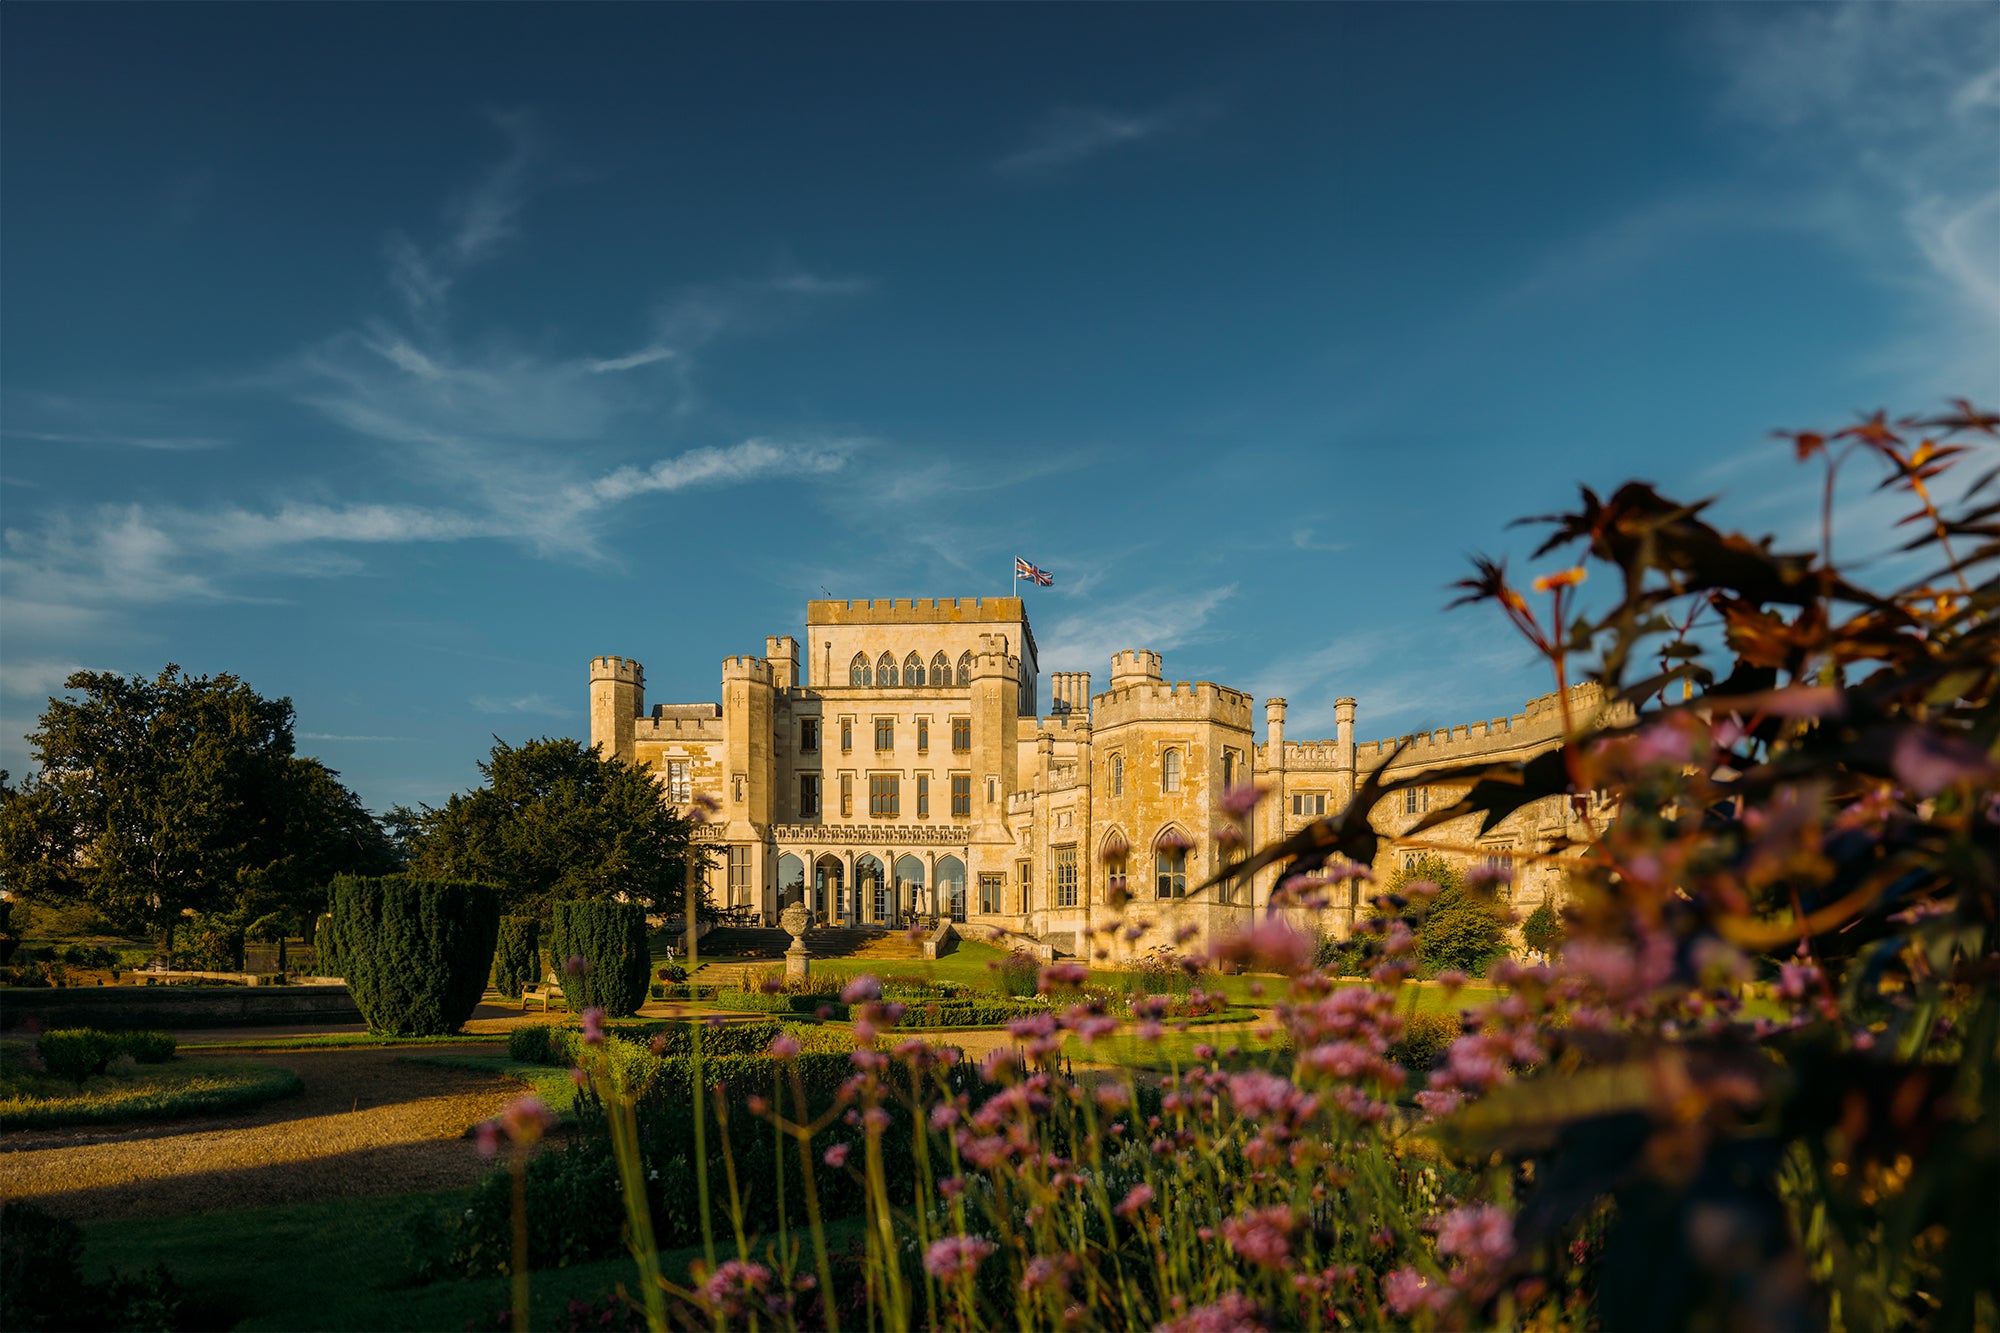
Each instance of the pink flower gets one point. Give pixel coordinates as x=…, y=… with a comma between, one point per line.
x=1136, y=1199
x=1240, y=801
x=943, y=1116
x=784, y=1046
x=575, y=965
x=1262, y=1236
x=956, y=1257
x=1927, y=762
x=1233, y=1313
x=487, y=1134
x=736, y=1288
x=1405, y=1291
x=861, y=990
x=1482, y=1232
x=593, y=1026
x=1057, y=976
x=1795, y=980
x=836, y=1156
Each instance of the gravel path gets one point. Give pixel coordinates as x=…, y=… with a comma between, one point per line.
x=366, y=1123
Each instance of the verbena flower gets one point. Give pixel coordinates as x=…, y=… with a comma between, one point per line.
x=956, y=1257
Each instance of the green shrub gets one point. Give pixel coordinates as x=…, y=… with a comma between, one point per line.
x=530, y=1045
x=668, y=990
x=76, y=1053
x=1019, y=973
x=417, y=952
x=986, y=1012
x=517, y=955
x=325, y=949
x=42, y=1285
x=1543, y=930
x=1425, y=1035
x=611, y=940
x=148, y=1048
x=756, y=1002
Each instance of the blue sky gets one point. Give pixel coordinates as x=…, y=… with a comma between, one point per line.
x=401, y=358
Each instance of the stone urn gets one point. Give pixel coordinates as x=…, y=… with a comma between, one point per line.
x=796, y=919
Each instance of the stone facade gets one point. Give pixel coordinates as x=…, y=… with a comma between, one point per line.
x=900, y=767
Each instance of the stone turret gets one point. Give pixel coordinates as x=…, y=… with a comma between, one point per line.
x=1343, y=731
x=1134, y=666
x=617, y=697
x=1069, y=694
x=782, y=652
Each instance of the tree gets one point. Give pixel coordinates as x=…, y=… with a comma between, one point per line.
x=1461, y=930
x=1543, y=930
x=556, y=822
x=157, y=799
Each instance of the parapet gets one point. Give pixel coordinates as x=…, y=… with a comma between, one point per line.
x=1145, y=699
x=916, y=611
x=1134, y=665
x=624, y=669
x=745, y=667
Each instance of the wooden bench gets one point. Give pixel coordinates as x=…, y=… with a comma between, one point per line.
x=550, y=989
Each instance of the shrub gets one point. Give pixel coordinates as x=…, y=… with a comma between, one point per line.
x=757, y=1002
x=416, y=951
x=1461, y=932
x=1543, y=930
x=530, y=1045
x=42, y=1284
x=517, y=955
x=683, y=991
x=1019, y=973
x=76, y=1053
x=148, y=1048
x=611, y=940
x=673, y=974
x=1424, y=1037
x=325, y=948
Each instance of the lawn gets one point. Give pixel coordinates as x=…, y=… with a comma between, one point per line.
x=337, y=1265
x=147, y=1092
x=324, y=1040
x=549, y=1082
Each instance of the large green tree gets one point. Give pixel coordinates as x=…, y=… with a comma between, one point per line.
x=555, y=822
x=159, y=798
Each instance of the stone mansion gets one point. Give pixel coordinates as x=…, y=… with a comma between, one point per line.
x=902, y=765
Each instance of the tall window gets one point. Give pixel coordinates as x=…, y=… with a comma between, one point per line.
x=679, y=791
x=923, y=735
x=913, y=670
x=961, y=735
x=739, y=876
x=1065, y=876
x=1025, y=872
x=923, y=796
x=1309, y=803
x=885, y=733
x=846, y=734
x=1170, y=872
x=1117, y=775
x=965, y=668
x=961, y=796
x=940, y=671
x=1170, y=770
x=1228, y=769
x=989, y=893
x=857, y=670
x=1416, y=800
x=885, y=670
x=846, y=794
x=808, y=735
x=884, y=800
x=808, y=795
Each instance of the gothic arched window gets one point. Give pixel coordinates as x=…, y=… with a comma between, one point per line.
x=885, y=670
x=913, y=670
x=965, y=668
x=940, y=670
x=1170, y=856
x=857, y=671
x=1117, y=775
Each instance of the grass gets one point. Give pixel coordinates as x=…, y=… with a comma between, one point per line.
x=249, y=1267
x=153, y=1092
x=552, y=1084
x=339, y=1039
x=1173, y=1049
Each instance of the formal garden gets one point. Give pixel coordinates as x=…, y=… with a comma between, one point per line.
x=1745, y=1078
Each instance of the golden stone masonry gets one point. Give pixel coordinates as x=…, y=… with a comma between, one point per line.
x=901, y=767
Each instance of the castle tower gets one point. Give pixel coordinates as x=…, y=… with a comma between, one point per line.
x=1134, y=666
x=1343, y=735
x=996, y=693
x=617, y=697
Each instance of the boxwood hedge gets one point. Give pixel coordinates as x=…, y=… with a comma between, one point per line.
x=415, y=953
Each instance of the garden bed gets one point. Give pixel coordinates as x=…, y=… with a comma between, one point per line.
x=151, y=1092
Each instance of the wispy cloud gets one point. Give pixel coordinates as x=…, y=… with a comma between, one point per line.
x=329, y=736
x=1160, y=619
x=36, y=677
x=539, y=704
x=1073, y=134
x=1901, y=103
x=168, y=443
x=479, y=220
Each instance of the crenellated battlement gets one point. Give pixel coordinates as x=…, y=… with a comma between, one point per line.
x=915, y=611
x=1181, y=701
x=1539, y=721
x=680, y=726
x=1134, y=665
x=745, y=667
x=625, y=670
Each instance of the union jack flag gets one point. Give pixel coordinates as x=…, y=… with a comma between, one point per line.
x=1024, y=570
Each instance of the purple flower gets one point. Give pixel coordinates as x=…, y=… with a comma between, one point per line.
x=956, y=1257
x=593, y=1026
x=1263, y=1236
x=862, y=990
x=1058, y=975
x=836, y=1156
x=1482, y=1233
x=943, y=1116
x=1927, y=762
x=784, y=1046
x=575, y=965
x=1233, y=1313
x=487, y=1134
x=1240, y=801
x=1406, y=1290
x=736, y=1288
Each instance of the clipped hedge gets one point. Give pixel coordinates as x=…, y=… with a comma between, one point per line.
x=517, y=955
x=682, y=990
x=611, y=940
x=327, y=949
x=965, y=1013
x=562, y=1045
x=756, y=1002
x=416, y=952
